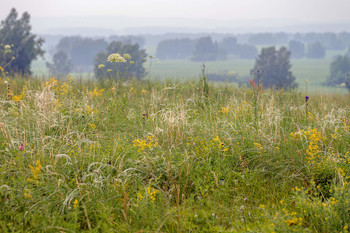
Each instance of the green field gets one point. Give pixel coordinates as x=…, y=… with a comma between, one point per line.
x=315, y=71
x=78, y=155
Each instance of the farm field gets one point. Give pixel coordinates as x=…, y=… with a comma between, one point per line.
x=315, y=71
x=168, y=156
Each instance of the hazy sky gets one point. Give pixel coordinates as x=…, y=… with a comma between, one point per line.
x=298, y=11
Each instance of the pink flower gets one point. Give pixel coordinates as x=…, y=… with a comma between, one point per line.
x=21, y=147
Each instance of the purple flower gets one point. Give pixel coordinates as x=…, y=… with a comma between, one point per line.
x=306, y=98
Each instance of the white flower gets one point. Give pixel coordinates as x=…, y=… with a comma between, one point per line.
x=116, y=57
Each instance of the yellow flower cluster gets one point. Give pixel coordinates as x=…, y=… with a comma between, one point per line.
x=27, y=194
x=149, y=143
x=75, y=203
x=36, y=171
x=258, y=146
x=18, y=98
x=315, y=138
x=96, y=92
x=152, y=193
x=52, y=82
x=92, y=126
x=224, y=110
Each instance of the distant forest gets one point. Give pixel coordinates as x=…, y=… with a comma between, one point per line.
x=81, y=51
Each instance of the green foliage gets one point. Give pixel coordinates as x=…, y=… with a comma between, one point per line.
x=339, y=71
x=133, y=68
x=16, y=32
x=175, y=49
x=61, y=65
x=102, y=157
x=81, y=51
x=315, y=51
x=272, y=69
x=206, y=50
x=297, y=49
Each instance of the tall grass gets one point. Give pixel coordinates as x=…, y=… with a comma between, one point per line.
x=123, y=157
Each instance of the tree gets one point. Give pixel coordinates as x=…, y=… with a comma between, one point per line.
x=229, y=44
x=315, y=51
x=81, y=51
x=175, y=49
x=339, y=70
x=62, y=65
x=274, y=68
x=297, y=49
x=25, y=46
x=130, y=68
x=205, y=50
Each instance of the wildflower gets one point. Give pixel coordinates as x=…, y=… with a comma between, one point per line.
x=101, y=66
x=7, y=47
x=224, y=110
x=21, y=147
x=75, y=203
x=306, y=98
x=252, y=83
x=109, y=70
x=17, y=98
x=144, y=91
x=132, y=62
x=258, y=146
x=27, y=194
x=152, y=193
x=116, y=57
x=140, y=196
x=127, y=56
x=36, y=171
x=1, y=69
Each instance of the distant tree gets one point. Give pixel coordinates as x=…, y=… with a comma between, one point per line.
x=205, y=50
x=61, y=65
x=339, y=70
x=274, y=68
x=175, y=49
x=128, y=39
x=297, y=49
x=315, y=51
x=24, y=46
x=132, y=68
x=332, y=41
x=262, y=39
x=247, y=51
x=230, y=45
x=81, y=51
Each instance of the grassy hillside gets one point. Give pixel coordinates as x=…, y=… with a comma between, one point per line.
x=78, y=155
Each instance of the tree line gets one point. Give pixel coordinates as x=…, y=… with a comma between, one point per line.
x=19, y=47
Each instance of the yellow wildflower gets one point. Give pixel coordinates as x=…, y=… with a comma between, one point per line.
x=27, y=194
x=75, y=203
x=224, y=110
x=36, y=171
x=17, y=98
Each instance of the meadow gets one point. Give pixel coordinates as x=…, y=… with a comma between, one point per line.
x=80, y=155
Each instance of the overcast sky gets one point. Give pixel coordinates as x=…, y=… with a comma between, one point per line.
x=298, y=11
